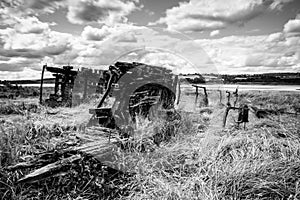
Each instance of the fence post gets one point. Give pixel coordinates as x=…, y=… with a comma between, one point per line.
x=220, y=96
x=236, y=96
x=41, y=86
x=225, y=116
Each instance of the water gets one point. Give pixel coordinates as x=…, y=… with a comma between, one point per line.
x=37, y=85
x=232, y=87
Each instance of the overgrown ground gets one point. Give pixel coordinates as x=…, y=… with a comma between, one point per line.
x=202, y=161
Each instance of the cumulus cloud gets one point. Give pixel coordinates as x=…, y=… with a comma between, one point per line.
x=91, y=33
x=30, y=25
x=264, y=53
x=214, y=33
x=103, y=11
x=31, y=46
x=231, y=54
x=98, y=53
x=216, y=14
x=271, y=61
x=122, y=40
x=13, y=40
x=118, y=33
x=275, y=37
x=293, y=25
x=25, y=41
x=27, y=49
x=22, y=21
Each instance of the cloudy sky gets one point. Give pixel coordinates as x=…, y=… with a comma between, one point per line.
x=234, y=36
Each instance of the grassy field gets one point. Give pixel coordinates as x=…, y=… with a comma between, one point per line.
x=202, y=161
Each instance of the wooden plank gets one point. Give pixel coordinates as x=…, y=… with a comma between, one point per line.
x=51, y=169
x=105, y=152
x=61, y=70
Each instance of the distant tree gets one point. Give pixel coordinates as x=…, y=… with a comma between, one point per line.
x=196, y=80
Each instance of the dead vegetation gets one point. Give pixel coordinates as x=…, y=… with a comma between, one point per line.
x=200, y=161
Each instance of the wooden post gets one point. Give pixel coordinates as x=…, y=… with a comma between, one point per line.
x=245, y=115
x=63, y=89
x=41, y=86
x=196, y=100
x=240, y=116
x=206, y=96
x=56, y=86
x=228, y=98
x=228, y=107
x=225, y=116
x=204, y=88
x=236, y=96
x=220, y=95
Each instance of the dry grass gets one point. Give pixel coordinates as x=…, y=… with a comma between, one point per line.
x=261, y=162
x=202, y=160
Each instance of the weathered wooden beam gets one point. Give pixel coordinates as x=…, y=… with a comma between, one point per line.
x=41, y=86
x=228, y=108
x=51, y=169
x=110, y=82
x=220, y=92
x=61, y=71
x=111, y=153
x=205, y=93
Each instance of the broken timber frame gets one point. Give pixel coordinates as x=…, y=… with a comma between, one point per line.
x=243, y=111
x=64, y=82
x=205, y=93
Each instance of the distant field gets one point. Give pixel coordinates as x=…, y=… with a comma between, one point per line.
x=203, y=160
